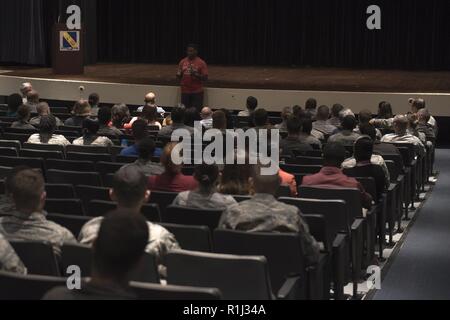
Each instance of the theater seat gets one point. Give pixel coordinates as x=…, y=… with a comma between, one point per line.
x=64, y=206
x=72, y=223
x=194, y=238
x=73, y=177
x=192, y=216
x=147, y=291
x=38, y=257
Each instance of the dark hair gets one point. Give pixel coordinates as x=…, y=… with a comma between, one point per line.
x=23, y=113
x=10, y=178
x=90, y=129
x=149, y=113
x=192, y=45
x=260, y=117
x=47, y=127
x=363, y=149
x=349, y=123
x=190, y=116
x=178, y=114
x=26, y=187
x=146, y=148
x=228, y=117
x=298, y=112
x=385, y=110
x=311, y=104
x=334, y=154
x=104, y=115
x=365, y=116
x=94, y=99
x=219, y=120
x=129, y=186
x=139, y=129
x=120, y=244
x=14, y=102
x=336, y=110
x=293, y=125
x=207, y=176
x=323, y=113
x=252, y=103
x=419, y=104
x=307, y=125
x=234, y=179
x=368, y=130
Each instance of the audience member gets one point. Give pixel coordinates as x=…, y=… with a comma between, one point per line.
x=172, y=180
x=104, y=120
x=117, y=251
x=205, y=196
x=25, y=88
x=94, y=102
x=32, y=101
x=379, y=147
x=149, y=115
x=292, y=145
x=178, y=117
x=264, y=213
x=14, y=102
x=311, y=108
x=234, y=179
x=146, y=148
x=139, y=130
x=366, y=164
x=401, y=135
x=43, y=109
x=207, y=120
x=120, y=115
x=365, y=117
x=252, y=104
x=90, y=135
x=285, y=114
x=27, y=221
x=129, y=190
x=46, y=134
x=346, y=136
x=9, y=261
x=81, y=111
x=306, y=135
x=23, y=119
x=321, y=124
x=150, y=100
x=335, y=119
x=331, y=175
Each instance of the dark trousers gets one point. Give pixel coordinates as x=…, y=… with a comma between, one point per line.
x=192, y=100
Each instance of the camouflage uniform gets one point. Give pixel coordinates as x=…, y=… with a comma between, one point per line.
x=345, y=137
x=148, y=168
x=263, y=213
x=407, y=139
x=15, y=225
x=196, y=199
x=160, y=240
x=9, y=261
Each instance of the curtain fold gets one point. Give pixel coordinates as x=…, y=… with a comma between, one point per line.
x=329, y=33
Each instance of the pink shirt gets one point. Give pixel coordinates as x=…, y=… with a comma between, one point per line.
x=172, y=183
x=189, y=83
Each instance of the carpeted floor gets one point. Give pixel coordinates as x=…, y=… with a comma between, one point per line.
x=278, y=78
x=422, y=268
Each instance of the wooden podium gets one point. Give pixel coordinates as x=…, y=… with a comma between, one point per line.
x=67, y=51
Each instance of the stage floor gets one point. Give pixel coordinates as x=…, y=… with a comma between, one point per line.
x=317, y=79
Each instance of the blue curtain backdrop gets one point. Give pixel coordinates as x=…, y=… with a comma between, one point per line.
x=330, y=33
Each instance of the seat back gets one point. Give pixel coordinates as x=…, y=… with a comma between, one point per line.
x=351, y=197
x=148, y=291
x=16, y=137
x=34, y=163
x=8, y=152
x=307, y=161
x=10, y=144
x=44, y=147
x=108, y=167
x=192, y=216
x=69, y=165
x=151, y=212
x=237, y=277
x=94, y=157
x=194, y=238
x=163, y=199
x=73, y=223
x=76, y=255
x=5, y=172
x=41, y=154
x=38, y=257
x=30, y=287
x=64, y=206
x=88, y=193
x=283, y=251
x=87, y=149
x=300, y=169
x=59, y=191
x=73, y=177
x=394, y=171
x=98, y=208
x=337, y=219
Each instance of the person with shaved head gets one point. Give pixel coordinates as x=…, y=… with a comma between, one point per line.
x=264, y=213
x=43, y=109
x=150, y=100
x=401, y=135
x=207, y=119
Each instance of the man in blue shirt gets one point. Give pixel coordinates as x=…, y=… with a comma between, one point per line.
x=140, y=132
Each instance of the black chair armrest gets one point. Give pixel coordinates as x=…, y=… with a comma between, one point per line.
x=318, y=229
x=290, y=290
x=316, y=279
x=340, y=265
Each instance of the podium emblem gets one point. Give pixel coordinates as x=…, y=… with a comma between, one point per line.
x=69, y=40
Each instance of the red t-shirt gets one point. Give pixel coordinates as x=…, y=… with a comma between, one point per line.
x=190, y=84
x=170, y=183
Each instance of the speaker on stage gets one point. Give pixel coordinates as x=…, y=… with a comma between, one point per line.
x=68, y=52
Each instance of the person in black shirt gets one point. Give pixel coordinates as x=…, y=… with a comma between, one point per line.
x=118, y=249
x=292, y=142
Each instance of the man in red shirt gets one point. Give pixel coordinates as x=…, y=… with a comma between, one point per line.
x=192, y=72
x=331, y=175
